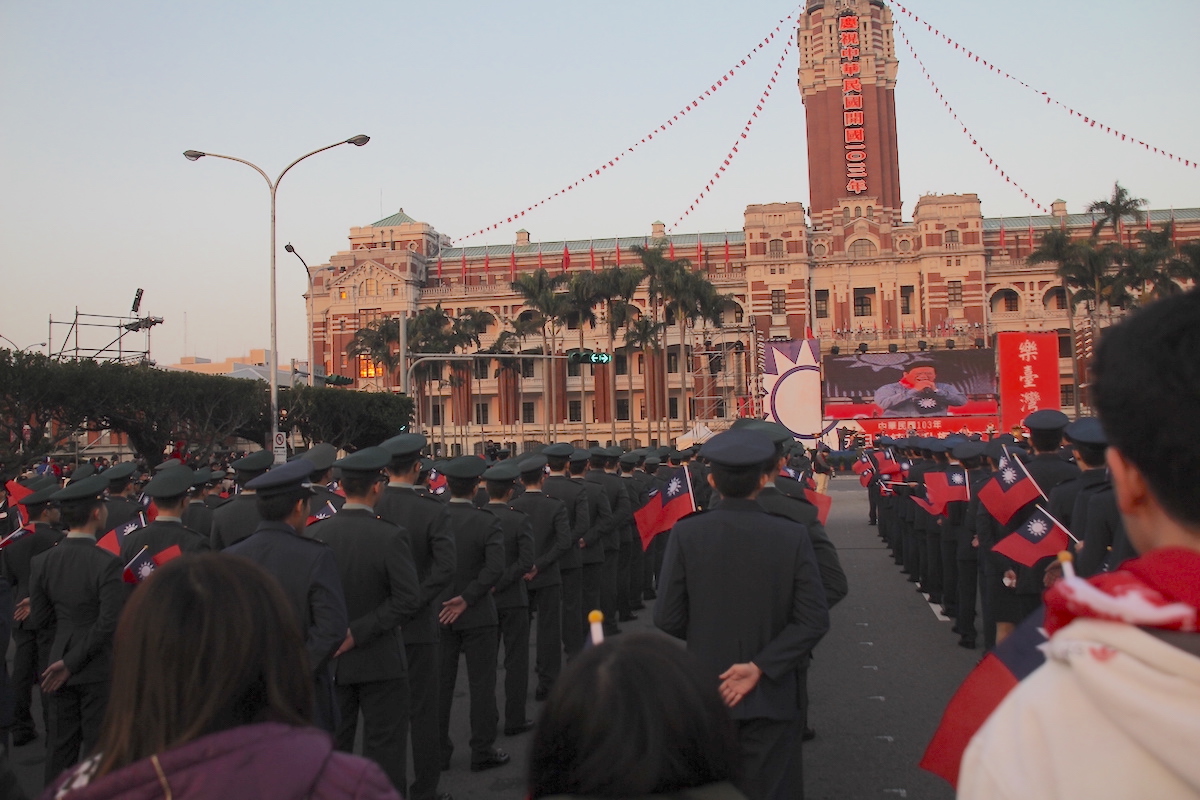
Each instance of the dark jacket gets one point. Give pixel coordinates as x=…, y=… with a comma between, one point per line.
x=511, y=591
x=833, y=577
x=18, y=561
x=424, y=521
x=234, y=520
x=198, y=516
x=120, y=509
x=600, y=521
x=618, y=502
x=160, y=535
x=479, y=548
x=739, y=584
x=551, y=535
x=574, y=497
x=379, y=581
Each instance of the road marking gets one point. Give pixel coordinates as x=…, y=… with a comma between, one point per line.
x=937, y=612
x=878, y=697
x=868, y=667
x=868, y=644
x=885, y=738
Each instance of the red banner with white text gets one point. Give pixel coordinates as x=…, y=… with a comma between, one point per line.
x=1028, y=374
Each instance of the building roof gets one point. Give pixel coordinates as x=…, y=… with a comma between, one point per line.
x=1158, y=216
x=399, y=218
x=682, y=242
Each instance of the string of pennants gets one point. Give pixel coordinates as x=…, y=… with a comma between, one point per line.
x=1124, y=137
x=649, y=137
x=946, y=103
x=742, y=136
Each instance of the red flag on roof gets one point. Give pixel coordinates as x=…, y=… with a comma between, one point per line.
x=439, y=267
x=671, y=249
x=487, y=261
x=566, y=261
x=464, y=265
x=540, y=257
x=727, y=251
x=618, y=251
x=699, y=252
x=592, y=256
x=512, y=264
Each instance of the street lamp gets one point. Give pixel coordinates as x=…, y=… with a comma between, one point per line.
x=18, y=348
x=307, y=333
x=273, y=366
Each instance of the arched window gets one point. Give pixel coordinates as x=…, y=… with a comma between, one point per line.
x=1005, y=300
x=863, y=248
x=846, y=216
x=857, y=212
x=952, y=237
x=775, y=247
x=370, y=287
x=871, y=213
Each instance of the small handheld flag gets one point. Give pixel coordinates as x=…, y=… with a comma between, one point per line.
x=327, y=511
x=114, y=539
x=1038, y=537
x=142, y=565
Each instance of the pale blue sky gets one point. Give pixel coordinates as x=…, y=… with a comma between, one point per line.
x=477, y=109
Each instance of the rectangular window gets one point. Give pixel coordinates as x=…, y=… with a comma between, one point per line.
x=435, y=414
x=621, y=363
x=673, y=408
x=821, y=301
x=572, y=369
x=1066, y=395
x=574, y=410
x=672, y=362
x=720, y=409
x=778, y=301
x=862, y=301
x=481, y=413
x=906, y=299
x=1012, y=301
x=368, y=368
x=622, y=409
x=483, y=368
x=954, y=294
x=368, y=315
x=526, y=367
x=527, y=416
x=1064, y=350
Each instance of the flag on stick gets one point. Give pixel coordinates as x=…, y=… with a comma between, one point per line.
x=114, y=539
x=666, y=507
x=1038, y=537
x=1009, y=490
x=142, y=565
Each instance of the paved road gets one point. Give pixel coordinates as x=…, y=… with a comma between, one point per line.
x=878, y=685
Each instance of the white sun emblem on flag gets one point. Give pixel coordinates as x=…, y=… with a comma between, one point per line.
x=674, y=487
x=1037, y=528
x=144, y=570
x=1009, y=475
x=927, y=402
x=956, y=478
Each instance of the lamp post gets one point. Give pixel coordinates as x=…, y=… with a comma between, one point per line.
x=273, y=365
x=308, y=333
x=18, y=348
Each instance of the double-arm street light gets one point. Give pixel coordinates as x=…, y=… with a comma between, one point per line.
x=273, y=366
x=18, y=347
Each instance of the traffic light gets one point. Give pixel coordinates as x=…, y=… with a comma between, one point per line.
x=338, y=380
x=589, y=357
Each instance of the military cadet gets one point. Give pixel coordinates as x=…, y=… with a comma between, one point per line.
x=558, y=484
x=653, y=556
x=216, y=488
x=322, y=456
x=169, y=490
x=122, y=504
x=1105, y=541
x=426, y=524
x=629, y=588
x=511, y=594
x=31, y=647
x=379, y=581
x=196, y=514
x=1070, y=500
x=742, y=587
x=639, y=576
x=622, y=519
x=468, y=618
x=591, y=545
x=75, y=589
x=307, y=571
x=552, y=538
x=238, y=517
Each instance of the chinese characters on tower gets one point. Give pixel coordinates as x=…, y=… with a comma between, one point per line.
x=1028, y=374
x=852, y=105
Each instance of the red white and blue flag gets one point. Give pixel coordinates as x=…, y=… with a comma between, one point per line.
x=326, y=511
x=666, y=507
x=114, y=539
x=142, y=565
x=1009, y=490
x=17, y=534
x=1036, y=538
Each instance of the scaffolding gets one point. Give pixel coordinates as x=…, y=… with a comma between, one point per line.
x=104, y=337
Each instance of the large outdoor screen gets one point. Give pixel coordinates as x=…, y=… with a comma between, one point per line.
x=941, y=383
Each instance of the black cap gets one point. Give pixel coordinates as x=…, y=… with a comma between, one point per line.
x=580, y=455
x=506, y=470
x=778, y=434
x=83, y=471
x=86, y=489
x=406, y=444
x=282, y=479
x=203, y=476
x=1088, y=431
x=119, y=472
x=935, y=445
x=168, y=464
x=616, y=451
x=367, y=460
x=599, y=451
x=255, y=462
x=965, y=450
x=1048, y=419
x=41, y=496
x=171, y=482
x=534, y=462
x=994, y=450
x=630, y=459
x=559, y=450
x=652, y=461
x=464, y=467
x=740, y=448
x=321, y=456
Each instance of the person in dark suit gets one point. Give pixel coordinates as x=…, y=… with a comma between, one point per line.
x=551, y=540
x=468, y=618
x=169, y=489
x=591, y=544
x=742, y=587
x=238, y=517
x=427, y=527
x=197, y=516
x=215, y=488
x=322, y=456
x=652, y=560
x=510, y=593
x=31, y=647
x=75, y=589
x=122, y=504
x=622, y=519
x=379, y=580
x=962, y=519
x=558, y=484
x=307, y=571
x=629, y=565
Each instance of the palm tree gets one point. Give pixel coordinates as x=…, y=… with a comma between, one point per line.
x=616, y=287
x=1156, y=268
x=659, y=271
x=430, y=330
x=579, y=308
x=642, y=334
x=1113, y=210
x=379, y=343
x=539, y=292
x=1057, y=248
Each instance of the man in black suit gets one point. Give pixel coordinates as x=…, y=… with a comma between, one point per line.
x=629, y=564
x=76, y=590
x=426, y=525
x=31, y=647
x=322, y=456
x=591, y=543
x=122, y=504
x=468, y=618
x=169, y=489
x=558, y=484
x=551, y=540
x=622, y=519
x=197, y=515
x=742, y=587
x=307, y=571
x=379, y=581
x=511, y=594
x=238, y=517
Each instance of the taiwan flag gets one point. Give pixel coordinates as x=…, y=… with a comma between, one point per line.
x=326, y=511
x=666, y=507
x=142, y=565
x=17, y=534
x=823, y=502
x=17, y=493
x=1038, y=537
x=1009, y=490
x=864, y=463
x=887, y=465
x=946, y=487
x=113, y=540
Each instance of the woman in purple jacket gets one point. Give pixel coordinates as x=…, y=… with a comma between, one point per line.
x=211, y=697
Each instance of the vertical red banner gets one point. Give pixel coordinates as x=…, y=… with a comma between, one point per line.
x=1028, y=375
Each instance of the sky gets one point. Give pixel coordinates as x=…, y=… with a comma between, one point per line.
x=477, y=110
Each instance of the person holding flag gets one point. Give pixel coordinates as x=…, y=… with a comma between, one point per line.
x=169, y=490
x=122, y=501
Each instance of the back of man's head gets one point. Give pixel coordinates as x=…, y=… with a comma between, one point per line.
x=1147, y=393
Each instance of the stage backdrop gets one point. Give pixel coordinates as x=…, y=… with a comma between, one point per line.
x=856, y=385
x=1028, y=374
x=792, y=383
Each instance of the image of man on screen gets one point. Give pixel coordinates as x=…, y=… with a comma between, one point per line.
x=918, y=394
